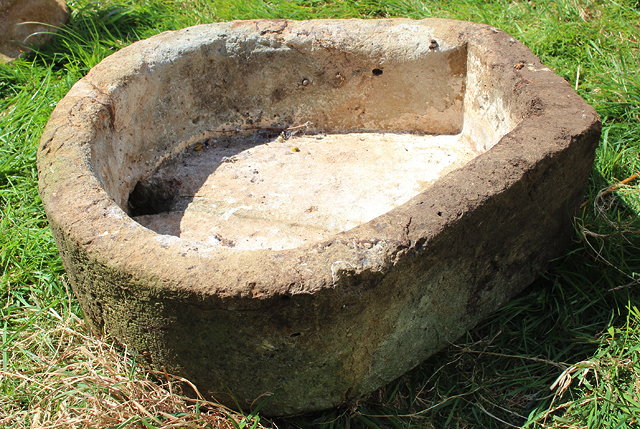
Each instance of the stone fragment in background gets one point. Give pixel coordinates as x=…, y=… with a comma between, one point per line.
x=27, y=23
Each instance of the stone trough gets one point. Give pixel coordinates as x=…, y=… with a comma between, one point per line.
x=296, y=213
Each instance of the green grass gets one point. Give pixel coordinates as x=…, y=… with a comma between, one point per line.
x=577, y=329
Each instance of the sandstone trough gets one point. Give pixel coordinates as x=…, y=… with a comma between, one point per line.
x=303, y=211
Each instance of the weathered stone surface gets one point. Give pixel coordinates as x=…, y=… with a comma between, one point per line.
x=252, y=288
x=22, y=20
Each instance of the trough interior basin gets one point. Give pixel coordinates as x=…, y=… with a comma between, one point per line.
x=265, y=193
x=271, y=148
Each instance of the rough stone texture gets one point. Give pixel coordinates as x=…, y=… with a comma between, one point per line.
x=325, y=321
x=21, y=20
x=277, y=194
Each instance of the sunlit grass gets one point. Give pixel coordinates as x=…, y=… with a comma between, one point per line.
x=579, y=325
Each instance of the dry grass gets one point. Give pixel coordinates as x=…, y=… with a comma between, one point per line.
x=86, y=382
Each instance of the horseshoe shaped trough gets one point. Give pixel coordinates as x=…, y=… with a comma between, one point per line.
x=303, y=211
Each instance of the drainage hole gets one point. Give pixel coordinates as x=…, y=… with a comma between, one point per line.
x=376, y=72
x=152, y=197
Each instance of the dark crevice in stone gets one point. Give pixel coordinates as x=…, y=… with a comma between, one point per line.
x=152, y=197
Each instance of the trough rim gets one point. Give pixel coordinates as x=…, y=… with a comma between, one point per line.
x=68, y=184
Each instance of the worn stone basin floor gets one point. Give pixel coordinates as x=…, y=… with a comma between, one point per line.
x=300, y=212
x=271, y=193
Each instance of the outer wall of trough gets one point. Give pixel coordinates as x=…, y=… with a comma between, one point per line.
x=321, y=334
